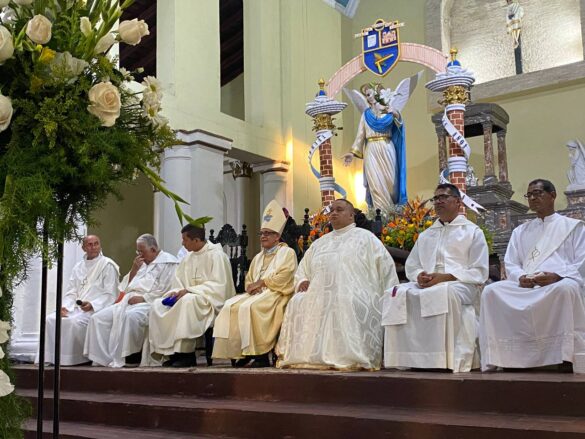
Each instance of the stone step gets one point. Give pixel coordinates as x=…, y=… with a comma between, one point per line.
x=272, y=419
x=541, y=393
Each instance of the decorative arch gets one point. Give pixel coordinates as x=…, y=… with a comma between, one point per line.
x=410, y=52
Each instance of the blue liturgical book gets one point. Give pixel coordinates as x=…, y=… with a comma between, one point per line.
x=169, y=301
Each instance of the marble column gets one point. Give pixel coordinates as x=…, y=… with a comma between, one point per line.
x=194, y=171
x=26, y=308
x=273, y=184
x=442, y=142
x=488, y=150
x=502, y=157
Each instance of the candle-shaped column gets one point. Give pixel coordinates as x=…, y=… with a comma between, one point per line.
x=322, y=109
x=455, y=84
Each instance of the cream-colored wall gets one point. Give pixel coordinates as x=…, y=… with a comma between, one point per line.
x=120, y=222
x=233, y=98
x=541, y=122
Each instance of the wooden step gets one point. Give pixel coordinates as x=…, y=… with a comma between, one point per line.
x=80, y=430
x=272, y=419
x=547, y=394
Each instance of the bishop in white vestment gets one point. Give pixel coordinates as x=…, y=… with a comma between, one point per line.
x=202, y=283
x=119, y=331
x=431, y=322
x=537, y=316
x=93, y=285
x=248, y=324
x=333, y=321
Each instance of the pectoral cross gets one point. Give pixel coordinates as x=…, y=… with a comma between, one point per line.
x=535, y=253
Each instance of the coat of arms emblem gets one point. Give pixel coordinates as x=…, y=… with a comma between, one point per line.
x=381, y=47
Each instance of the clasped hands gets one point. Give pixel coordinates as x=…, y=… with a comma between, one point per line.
x=426, y=280
x=539, y=279
x=255, y=287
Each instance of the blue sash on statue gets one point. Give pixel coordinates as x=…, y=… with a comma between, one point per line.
x=385, y=124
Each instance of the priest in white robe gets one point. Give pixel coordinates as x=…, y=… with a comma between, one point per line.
x=202, y=283
x=537, y=316
x=116, y=334
x=248, y=325
x=431, y=322
x=93, y=285
x=333, y=321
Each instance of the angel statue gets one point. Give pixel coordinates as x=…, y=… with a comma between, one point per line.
x=380, y=141
x=576, y=173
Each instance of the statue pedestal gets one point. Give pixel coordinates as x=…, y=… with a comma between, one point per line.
x=575, y=204
x=498, y=219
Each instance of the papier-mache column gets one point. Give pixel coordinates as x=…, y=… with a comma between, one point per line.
x=455, y=84
x=322, y=109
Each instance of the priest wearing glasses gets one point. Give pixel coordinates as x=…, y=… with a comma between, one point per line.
x=248, y=325
x=537, y=317
x=431, y=322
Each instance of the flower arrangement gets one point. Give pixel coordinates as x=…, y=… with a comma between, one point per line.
x=404, y=228
x=73, y=127
x=319, y=225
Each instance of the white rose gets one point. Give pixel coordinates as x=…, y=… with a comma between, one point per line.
x=8, y=15
x=23, y=2
x=105, y=103
x=132, y=31
x=6, y=44
x=5, y=386
x=85, y=26
x=5, y=113
x=4, y=3
x=4, y=328
x=38, y=29
x=104, y=43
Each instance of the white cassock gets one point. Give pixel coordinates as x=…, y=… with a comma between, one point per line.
x=207, y=276
x=335, y=324
x=120, y=330
x=436, y=327
x=94, y=281
x=532, y=327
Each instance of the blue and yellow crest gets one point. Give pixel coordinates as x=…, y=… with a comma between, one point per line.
x=381, y=47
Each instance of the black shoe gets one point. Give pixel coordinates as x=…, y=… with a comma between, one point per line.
x=261, y=361
x=133, y=360
x=184, y=359
x=242, y=362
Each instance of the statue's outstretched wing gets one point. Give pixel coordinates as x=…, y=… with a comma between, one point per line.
x=357, y=99
x=404, y=91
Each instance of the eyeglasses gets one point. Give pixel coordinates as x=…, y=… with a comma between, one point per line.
x=266, y=233
x=442, y=198
x=536, y=193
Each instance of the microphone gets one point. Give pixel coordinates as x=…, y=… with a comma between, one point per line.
x=78, y=302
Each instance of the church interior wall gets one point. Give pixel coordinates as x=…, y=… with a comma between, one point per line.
x=288, y=47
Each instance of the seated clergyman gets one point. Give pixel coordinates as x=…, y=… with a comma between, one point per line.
x=247, y=326
x=93, y=285
x=537, y=317
x=115, y=335
x=431, y=321
x=333, y=321
x=202, y=283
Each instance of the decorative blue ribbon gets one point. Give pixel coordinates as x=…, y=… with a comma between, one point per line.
x=385, y=124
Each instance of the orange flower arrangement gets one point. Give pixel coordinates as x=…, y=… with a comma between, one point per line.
x=319, y=226
x=404, y=228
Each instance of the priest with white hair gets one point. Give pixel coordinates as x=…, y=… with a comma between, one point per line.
x=537, y=316
x=93, y=286
x=116, y=334
x=248, y=325
x=202, y=283
x=333, y=320
x=431, y=322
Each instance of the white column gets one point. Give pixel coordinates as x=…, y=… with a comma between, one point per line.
x=26, y=309
x=194, y=171
x=273, y=184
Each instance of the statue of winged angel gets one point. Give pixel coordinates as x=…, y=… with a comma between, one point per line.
x=380, y=141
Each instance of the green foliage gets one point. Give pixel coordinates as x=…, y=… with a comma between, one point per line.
x=58, y=161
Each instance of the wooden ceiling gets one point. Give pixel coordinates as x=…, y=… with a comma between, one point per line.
x=143, y=54
x=231, y=15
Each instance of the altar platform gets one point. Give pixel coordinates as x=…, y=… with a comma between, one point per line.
x=222, y=402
